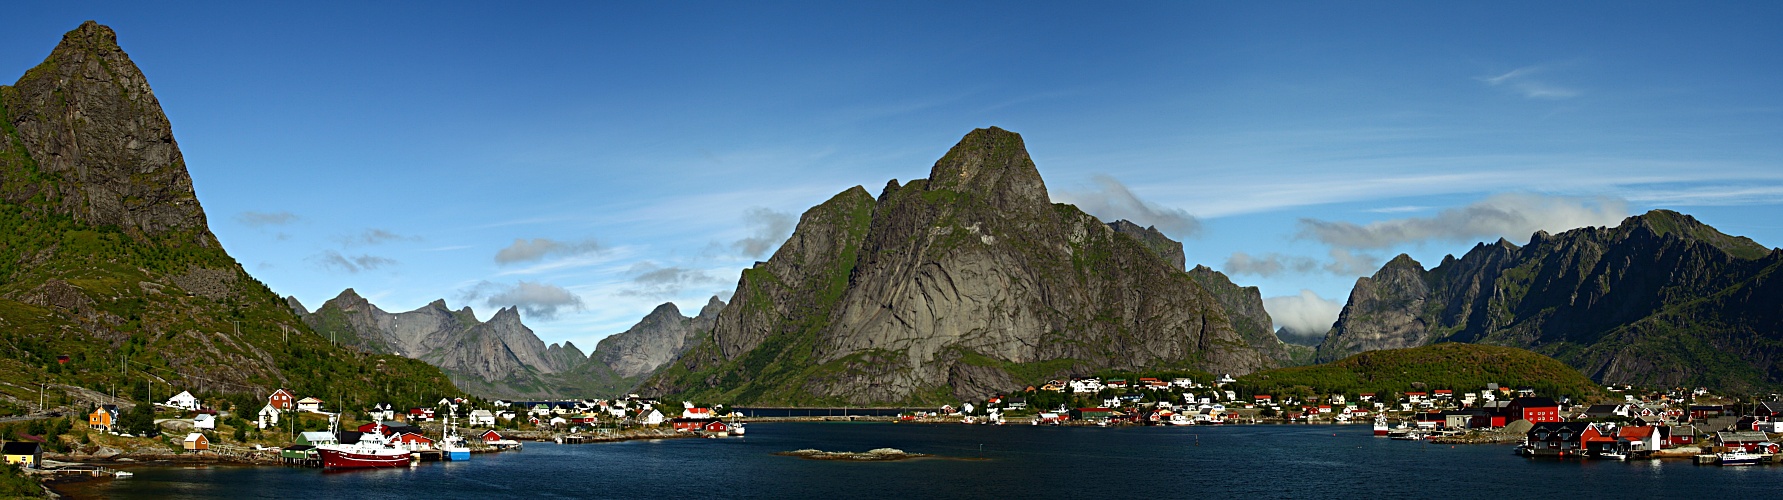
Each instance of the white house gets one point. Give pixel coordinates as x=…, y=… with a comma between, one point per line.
x=310, y=404
x=382, y=412
x=559, y=421
x=184, y=401
x=652, y=417
x=482, y=418
x=269, y=416
x=204, y=421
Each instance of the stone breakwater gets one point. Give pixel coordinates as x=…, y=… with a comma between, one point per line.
x=875, y=455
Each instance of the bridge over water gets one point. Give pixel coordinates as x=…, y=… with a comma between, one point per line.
x=787, y=411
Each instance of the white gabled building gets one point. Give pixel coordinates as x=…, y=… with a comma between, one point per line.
x=184, y=400
x=268, y=417
x=482, y=418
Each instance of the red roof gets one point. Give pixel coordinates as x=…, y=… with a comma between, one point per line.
x=1414, y=394
x=1262, y=396
x=1444, y=391
x=1631, y=432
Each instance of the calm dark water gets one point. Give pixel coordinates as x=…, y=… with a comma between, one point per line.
x=1021, y=461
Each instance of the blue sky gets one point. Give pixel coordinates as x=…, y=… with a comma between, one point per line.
x=589, y=161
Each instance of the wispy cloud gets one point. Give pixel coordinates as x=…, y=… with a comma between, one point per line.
x=1269, y=264
x=540, y=301
x=1306, y=316
x=533, y=250
x=334, y=261
x=1514, y=216
x=1524, y=81
x=1341, y=262
x=262, y=219
x=1111, y=200
x=767, y=230
x=374, y=236
x=653, y=281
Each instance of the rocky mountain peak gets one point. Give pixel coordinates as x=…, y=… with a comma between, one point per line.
x=87, y=115
x=712, y=307
x=1401, y=261
x=994, y=162
x=295, y=305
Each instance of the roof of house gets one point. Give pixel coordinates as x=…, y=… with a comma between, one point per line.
x=1635, y=432
x=1772, y=406
x=195, y=437
x=315, y=436
x=311, y=399
x=1741, y=436
x=1601, y=409
x=21, y=448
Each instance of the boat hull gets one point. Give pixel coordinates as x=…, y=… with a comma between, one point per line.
x=458, y=454
x=337, y=459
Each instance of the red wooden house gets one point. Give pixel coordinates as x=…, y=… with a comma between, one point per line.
x=690, y=424
x=491, y=436
x=282, y=399
x=717, y=426
x=413, y=441
x=1535, y=410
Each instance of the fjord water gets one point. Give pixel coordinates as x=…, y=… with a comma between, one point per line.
x=1017, y=461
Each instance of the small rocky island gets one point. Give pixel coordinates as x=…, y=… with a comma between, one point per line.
x=875, y=455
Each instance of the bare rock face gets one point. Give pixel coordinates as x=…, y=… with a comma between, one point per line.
x=1169, y=249
x=491, y=356
x=945, y=283
x=1385, y=312
x=656, y=340
x=1661, y=300
x=87, y=116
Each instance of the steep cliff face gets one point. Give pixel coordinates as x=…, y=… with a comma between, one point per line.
x=1244, y=309
x=959, y=285
x=88, y=119
x=106, y=254
x=656, y=340
x=1661, y=299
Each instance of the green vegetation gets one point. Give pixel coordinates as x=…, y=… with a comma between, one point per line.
x=15, y=484
x=1456, y=366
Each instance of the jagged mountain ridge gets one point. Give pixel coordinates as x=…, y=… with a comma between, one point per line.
x=501, y=357
x=108, y=258
x=953, y=286
x=1660, y=299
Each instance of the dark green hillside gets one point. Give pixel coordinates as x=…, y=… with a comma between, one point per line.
x=1455, y=366
x=107, y=259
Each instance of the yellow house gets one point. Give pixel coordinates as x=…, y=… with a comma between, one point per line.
x=23, y=453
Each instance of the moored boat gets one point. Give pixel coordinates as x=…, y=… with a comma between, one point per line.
x=374, y=450
x=1380, y=425
x=1738, y=457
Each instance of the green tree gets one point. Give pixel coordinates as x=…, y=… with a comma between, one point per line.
x=140, y=420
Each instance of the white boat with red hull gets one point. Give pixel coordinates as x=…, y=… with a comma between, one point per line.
x=373, y=451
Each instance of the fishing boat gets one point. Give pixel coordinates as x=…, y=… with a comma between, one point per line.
x=1738, y=457
x=121, y=474
x=374, y=450
x=1613, y=455
x=452, y=445
x=1380, y=425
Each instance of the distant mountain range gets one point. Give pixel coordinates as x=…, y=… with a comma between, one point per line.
x=962, y=285
x=107, y=258
x=1659, y=300
x=501, y=357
